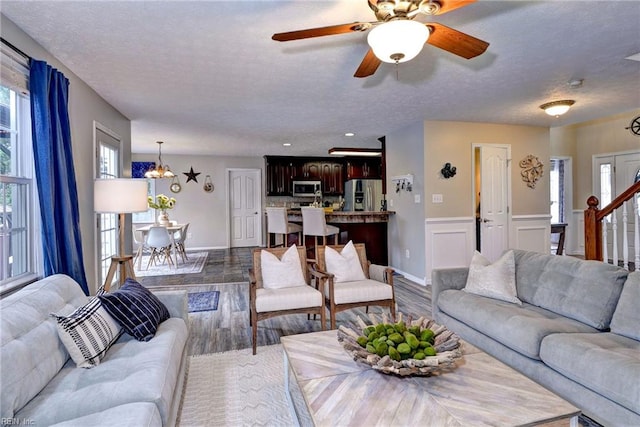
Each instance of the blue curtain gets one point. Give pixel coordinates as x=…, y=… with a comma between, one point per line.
x=58, y=195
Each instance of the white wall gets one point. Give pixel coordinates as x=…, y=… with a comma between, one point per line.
x=405, y=154
x=206, y=212
x=85, y=107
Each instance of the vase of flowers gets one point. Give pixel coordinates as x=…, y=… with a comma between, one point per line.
x=163, y=203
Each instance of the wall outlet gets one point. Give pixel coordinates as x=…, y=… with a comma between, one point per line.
x=436, y=198
x=390, y=203
x=407, y=254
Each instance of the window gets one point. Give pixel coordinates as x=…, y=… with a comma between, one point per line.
x=557, y=191
x=19, y=215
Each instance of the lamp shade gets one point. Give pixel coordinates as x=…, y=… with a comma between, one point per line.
x=398, y=41
x=120, y=195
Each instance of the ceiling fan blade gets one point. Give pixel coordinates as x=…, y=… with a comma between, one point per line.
x=368, y=66
x=321, y=31
x=449, y=5
x=455, y=41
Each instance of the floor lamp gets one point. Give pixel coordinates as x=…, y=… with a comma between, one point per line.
x=121, y=196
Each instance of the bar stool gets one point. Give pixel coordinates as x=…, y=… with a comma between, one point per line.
x=315, y=224
x=277, y=223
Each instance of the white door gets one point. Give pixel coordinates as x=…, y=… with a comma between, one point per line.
x=245, y=205
x=613, y=174
x=494, y=200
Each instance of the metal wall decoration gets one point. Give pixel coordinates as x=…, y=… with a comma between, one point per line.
x=532, y=170
x=191, y=175
x=448, y=171
x=208, y=184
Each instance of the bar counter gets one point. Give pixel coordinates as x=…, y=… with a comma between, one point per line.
x=368, y=227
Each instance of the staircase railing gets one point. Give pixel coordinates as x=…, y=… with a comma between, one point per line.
x=596, y=235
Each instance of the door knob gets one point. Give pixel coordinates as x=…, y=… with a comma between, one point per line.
x=487, y=220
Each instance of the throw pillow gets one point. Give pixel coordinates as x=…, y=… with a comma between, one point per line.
x=344, y=265
x=285, y=272
x=87, y=333
x=136, y=309
x=497, y=280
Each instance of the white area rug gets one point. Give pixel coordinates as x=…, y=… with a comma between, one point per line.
x=194, y=264
x=235, y=388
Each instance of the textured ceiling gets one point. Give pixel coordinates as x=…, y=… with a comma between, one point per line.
x=205, y=76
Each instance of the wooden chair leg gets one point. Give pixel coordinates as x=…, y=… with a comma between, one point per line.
x=254, y=332
x=268, y=242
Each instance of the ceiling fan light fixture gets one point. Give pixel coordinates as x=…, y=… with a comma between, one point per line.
x=557, y=108
x=397, y=41
x=160, y=170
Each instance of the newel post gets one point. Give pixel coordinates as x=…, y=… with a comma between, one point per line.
x=592, y=230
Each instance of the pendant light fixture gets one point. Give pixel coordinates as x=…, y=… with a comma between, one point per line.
x=160, y=171
x=398, y=41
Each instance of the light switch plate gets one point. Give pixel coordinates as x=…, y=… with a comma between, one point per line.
x=416, y=198
x=436, y=198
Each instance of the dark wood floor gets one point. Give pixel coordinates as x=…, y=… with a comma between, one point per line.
x=228, y=328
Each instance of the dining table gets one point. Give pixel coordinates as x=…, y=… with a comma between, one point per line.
x=171, y=228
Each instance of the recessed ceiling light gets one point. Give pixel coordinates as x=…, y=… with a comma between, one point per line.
x=287, y=144
x=349, y=134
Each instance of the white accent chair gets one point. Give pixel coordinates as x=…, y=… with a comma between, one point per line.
x=377, y=289
x=179, y=238
x=278, y=223
x=159, y=242
x=266, y=303
x=139, y=241
x=314, y=224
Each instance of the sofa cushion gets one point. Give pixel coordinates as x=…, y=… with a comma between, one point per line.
x=626, y=318
x=587, y=291
x=139, y=414
x=137, y=310
x=132, y=371
x=87, y=333
x=606, y=363
x=360, y=291
x=25, y=325
x=497, y=280
x=287, y=298
x=520, y=328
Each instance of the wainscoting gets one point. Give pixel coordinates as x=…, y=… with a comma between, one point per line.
x=450, y=242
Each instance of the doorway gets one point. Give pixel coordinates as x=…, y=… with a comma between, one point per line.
x=492, y=198
x=245, y=207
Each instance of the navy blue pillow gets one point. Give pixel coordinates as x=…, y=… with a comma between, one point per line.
x=136, y=309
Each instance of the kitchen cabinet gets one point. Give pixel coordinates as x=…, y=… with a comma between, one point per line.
x=333, y=178
x=364, y=168
x=279, y=176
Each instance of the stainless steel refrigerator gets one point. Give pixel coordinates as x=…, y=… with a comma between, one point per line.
x=363, y=195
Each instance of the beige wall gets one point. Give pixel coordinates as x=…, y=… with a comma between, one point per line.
x=452, y=141
x=85, y=107
x=584, y=140
x=206, y=212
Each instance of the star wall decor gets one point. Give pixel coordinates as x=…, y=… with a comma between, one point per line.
x=191, y=175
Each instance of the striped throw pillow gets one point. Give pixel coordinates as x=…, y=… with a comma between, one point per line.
x=136, y=309
x=87, y=333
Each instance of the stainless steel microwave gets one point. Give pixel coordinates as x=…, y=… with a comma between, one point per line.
x=306, y=188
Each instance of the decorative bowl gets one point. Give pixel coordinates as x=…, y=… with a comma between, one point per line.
x=418, y=361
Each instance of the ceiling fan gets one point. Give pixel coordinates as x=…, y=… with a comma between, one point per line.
x=396, y=37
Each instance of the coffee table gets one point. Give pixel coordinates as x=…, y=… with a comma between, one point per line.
x=481, y=391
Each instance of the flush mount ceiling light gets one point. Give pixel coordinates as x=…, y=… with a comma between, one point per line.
x=343, y=151
x=398, y=41
x=557, y=108
x=160, y=171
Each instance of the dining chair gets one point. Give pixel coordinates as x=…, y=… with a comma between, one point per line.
x=179, y=238
x=139, y=241
x=314, y=224
x=159, y=242
x=270, y=299
x=277, y=223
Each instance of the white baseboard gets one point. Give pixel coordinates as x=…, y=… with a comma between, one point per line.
x=205, y=248
x=410, y=277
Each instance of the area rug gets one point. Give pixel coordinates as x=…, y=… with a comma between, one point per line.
x=236, y=388
x=203, y=301
x=194, y=264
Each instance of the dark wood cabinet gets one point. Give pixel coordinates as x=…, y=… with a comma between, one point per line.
x=364, y=168
x=279, y=176
x=333, y=178
x=308, y=170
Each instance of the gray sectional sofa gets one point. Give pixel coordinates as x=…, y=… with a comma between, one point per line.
x=577, y=332
x=137, y=383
